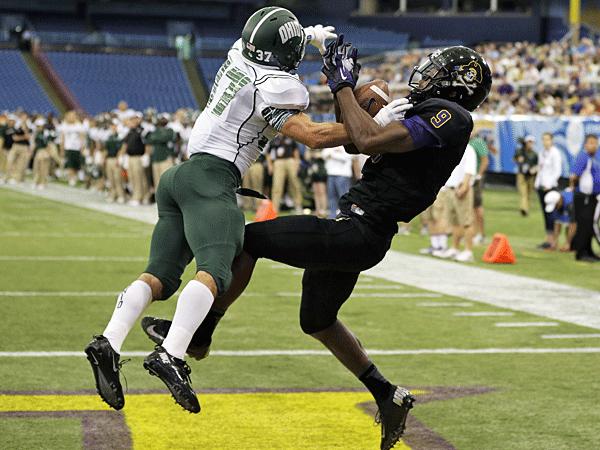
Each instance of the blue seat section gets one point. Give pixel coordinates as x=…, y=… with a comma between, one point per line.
x=209, y=68
x=18, y=87
x=100, y=80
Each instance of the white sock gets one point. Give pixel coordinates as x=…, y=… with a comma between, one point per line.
x=443, y=241
x=434, y=241
x=192, y=307
x=131, y=303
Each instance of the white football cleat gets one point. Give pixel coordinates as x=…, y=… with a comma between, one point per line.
x=465, y=256
x=446, y=254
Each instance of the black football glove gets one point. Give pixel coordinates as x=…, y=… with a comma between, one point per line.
x=340, y=65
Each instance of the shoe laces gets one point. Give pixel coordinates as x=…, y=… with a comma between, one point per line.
x=119, y=367
x=378, y=418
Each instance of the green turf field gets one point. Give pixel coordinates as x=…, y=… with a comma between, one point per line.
x=468, y=401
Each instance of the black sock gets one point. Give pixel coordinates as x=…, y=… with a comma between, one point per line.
x=376, y=383
x=203, y=334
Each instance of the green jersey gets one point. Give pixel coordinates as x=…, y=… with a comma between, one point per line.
x=481, y=149
x=163, y=141
x=113, y=144
x=42, y=139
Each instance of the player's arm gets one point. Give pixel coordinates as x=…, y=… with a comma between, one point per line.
x=301, y=128
x=350, y=148
x=368, y=137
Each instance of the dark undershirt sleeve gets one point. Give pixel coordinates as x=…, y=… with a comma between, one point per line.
x=421, y=134
x=277, y=117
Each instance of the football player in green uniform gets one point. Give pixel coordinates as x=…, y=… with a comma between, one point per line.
x=256, y=95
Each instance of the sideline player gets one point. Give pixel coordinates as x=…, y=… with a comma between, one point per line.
x=255, y=95
x=410, y=161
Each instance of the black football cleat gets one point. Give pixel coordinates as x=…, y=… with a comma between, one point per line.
x=175, y=373
x=106, y=366
x=392, y=415
x=157, y=329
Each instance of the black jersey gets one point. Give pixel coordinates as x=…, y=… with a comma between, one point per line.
x=397, y=187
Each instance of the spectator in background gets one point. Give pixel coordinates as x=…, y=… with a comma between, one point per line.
x=162, y=144
x=42, y=140
x=527, y=160
x=286, y=162
x=459, y=207
x=73, y=138
x=112, y=145
x=318, y=178
x=3, y=152
x=483, y=161
x=585, y=180
x=560, y=206
x=16, y=138
x=338, y=165
x=546, y=180
x=254, y=179
x=123, y=112
x=134, y=148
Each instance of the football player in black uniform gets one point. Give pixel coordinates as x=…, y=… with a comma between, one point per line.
x=410, y=161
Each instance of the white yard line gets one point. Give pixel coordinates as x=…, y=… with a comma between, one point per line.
x=571, y=336
x=525, y=324
x=445, y=305
x=275, y=352
x=374, y=295
x=535, y=296
x=482, y=314
x=75, y=258
x=44, y=234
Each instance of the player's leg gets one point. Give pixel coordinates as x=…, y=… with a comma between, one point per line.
x=300, y=241
x=323, y=294
x=169, y=254
x=214, y=230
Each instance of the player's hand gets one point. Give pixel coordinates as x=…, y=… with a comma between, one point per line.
x=317, y=35
x=340, y=65
x=392, y=112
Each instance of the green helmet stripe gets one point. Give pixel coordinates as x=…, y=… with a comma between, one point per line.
x=251, y=40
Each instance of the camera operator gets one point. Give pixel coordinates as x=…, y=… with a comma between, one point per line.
x=527, y=165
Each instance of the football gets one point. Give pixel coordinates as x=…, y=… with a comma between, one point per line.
x=372, y=96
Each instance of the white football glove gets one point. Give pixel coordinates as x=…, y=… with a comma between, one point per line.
x=318, y=34
x=393, y=111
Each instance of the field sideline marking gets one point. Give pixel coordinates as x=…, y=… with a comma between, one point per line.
x=543, y=298
x=395, y=352
x=546, y=299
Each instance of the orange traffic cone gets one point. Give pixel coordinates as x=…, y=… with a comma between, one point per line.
x=265, y=211
x=499, y=251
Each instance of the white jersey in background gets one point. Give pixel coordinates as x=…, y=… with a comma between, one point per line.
x=248, y=105
x=74, y=135
x=466, y=166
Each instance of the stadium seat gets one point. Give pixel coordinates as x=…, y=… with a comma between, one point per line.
x=18, y=87
x=99, y=81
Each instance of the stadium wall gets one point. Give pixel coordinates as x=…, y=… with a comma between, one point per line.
x=468, y=29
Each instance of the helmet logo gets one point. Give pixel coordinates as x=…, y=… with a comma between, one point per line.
x=290, y=30
x=472, y=72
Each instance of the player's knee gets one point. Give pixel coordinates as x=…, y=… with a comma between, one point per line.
x=209, y=281
x=312, y=322
x=155, y=285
